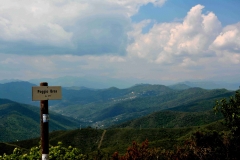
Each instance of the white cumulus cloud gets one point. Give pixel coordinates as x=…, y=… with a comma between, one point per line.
x=173, y=42
x=227, y=44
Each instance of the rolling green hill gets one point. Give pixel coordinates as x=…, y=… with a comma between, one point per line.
x=141, y=101
x=21, y=121
x=171, y=119
x=89, y=139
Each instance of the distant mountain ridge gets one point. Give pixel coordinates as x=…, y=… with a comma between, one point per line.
x=211, y=85
x=179, y=86
x=19, y=91
x=89, y=82
x=9, y=80
x=103, y=82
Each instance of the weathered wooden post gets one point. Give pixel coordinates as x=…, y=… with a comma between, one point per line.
x=44, y=125
x=45, y=93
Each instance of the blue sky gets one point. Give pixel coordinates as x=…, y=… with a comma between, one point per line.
x=227, y=11
x=149, y=41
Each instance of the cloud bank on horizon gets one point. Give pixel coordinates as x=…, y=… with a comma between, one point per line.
x=54, y=38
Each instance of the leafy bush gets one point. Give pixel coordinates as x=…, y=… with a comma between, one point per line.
x=231, y=112
x=55, y=153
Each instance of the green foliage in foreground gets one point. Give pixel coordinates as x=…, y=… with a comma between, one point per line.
x=231, y=112
x=55, y=152
x=200, y=145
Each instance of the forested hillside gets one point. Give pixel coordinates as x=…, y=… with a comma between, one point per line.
x=114, y=106
x=172, y=119
x=21, y=121
x=88, y=139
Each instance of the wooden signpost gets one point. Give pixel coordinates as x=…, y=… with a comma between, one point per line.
x=43, y=93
